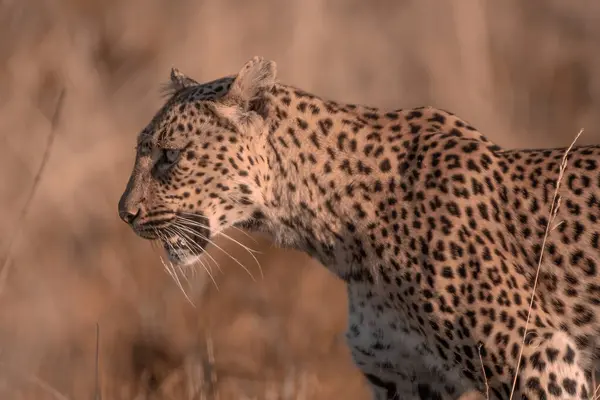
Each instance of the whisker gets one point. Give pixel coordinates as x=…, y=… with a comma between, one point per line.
x=165, y=267
x=177, y=230
x=218, y=247
x=221, y=233
x=251, y=251
x=247, y=248
x=190, y=240
x=203, y=251
x=178, y=267
x=172, y=272
x=178, y=282
x=209, y=273
x=244, y=233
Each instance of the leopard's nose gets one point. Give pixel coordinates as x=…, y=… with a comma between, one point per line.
x=129, y=215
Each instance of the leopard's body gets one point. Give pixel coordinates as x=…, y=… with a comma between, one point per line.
x=436, y=231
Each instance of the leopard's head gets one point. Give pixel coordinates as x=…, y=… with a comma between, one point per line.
x=200, y=164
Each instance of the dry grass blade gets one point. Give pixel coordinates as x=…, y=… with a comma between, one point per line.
x=553, y=212
x=97, y=393
x=46, y=387
x=487, y=386
x=42, y=384
x=36, y=181
x=212, y=368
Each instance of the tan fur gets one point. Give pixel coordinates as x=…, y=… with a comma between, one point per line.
x=435, y=230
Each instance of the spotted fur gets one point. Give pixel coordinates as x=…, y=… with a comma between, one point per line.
x=436, y=231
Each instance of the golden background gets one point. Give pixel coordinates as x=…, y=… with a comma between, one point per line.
x=526, y=73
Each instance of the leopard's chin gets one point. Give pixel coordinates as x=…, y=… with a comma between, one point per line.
x=182, y=258
x=182, y=252
x=184, y=238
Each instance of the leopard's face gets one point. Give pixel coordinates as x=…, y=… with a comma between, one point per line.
x=197, y=171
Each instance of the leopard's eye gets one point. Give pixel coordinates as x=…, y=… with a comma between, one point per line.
x=171, y=155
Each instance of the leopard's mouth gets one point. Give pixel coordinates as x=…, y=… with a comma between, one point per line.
x=185, y=238
x=183, y=250
x=147, y=234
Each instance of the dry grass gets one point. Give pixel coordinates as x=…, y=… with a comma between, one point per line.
x=553, y=212
x=523, y=72
x=36, y=180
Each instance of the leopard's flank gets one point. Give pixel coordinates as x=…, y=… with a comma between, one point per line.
x=436, y=231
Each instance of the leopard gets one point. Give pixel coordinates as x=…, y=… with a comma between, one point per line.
x=470, y=269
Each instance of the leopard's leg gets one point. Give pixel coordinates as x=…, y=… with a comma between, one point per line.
x=382, y=389
x=551, y=369
x=472, y=395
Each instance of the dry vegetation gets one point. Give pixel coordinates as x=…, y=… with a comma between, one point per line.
x=83, y=294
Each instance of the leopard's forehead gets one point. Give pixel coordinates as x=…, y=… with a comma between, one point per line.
x=174, y=111
x=212, y=90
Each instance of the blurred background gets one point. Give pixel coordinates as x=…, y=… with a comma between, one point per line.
x=87, y=310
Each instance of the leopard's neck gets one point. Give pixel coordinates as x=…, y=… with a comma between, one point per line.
x=331, y=177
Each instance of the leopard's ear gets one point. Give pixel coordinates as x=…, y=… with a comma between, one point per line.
x=255, y=76
x=242, y=104
x=178, y=80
